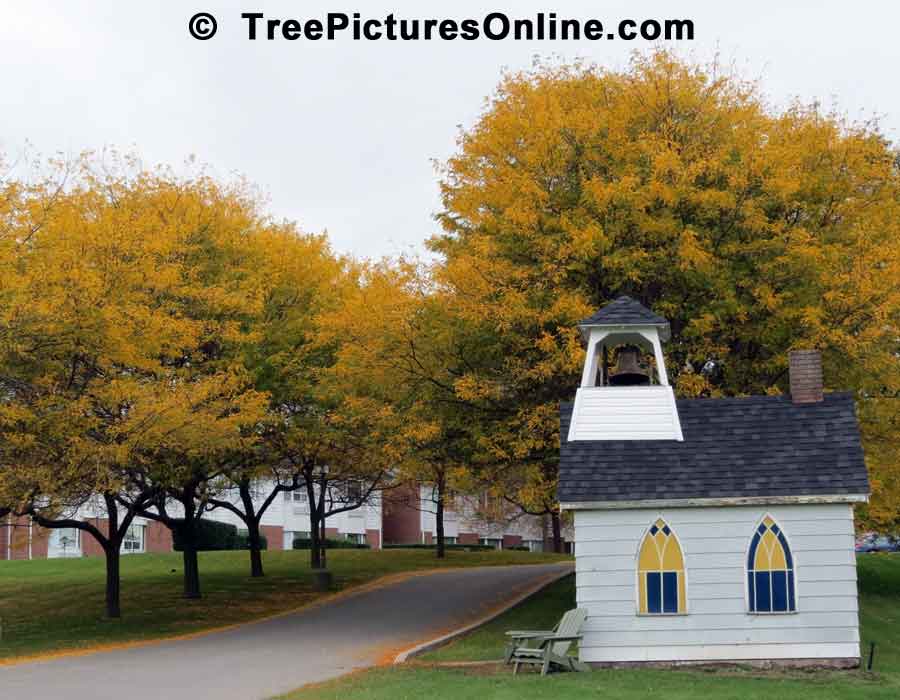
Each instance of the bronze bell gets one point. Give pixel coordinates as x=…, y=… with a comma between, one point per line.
x=628, y=371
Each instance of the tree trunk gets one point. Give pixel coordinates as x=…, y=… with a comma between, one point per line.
x=251, y=519
x=191, y=570
x=315, y=552
x=439, y=519
x=113, y=580
x=254, y=540
x=189, y=555
x=112, y=552
x=323, y=542
x=557, y=533
x=110, y=543
x=322, y=508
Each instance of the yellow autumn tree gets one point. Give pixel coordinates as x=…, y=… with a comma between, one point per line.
x=752, y=230
x=298, y=277
x=122, y=298
x=332, y=444
x=400, y=349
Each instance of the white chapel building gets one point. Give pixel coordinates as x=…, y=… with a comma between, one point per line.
x=708, y=530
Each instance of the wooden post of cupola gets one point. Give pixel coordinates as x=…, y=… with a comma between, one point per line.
x=627, y=402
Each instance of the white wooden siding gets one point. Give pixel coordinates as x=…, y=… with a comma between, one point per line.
x=625, y=413
x=717, y=625
x=466, y=519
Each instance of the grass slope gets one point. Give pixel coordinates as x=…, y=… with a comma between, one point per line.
x=54, y=604
x=540, y=612
x=879, y=584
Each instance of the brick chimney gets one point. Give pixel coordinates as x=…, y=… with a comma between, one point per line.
x=806, y=376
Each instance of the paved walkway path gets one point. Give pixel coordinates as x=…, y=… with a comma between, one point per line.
x=266, y=658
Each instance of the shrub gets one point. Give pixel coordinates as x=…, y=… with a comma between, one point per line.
x=209, y=536
x=459, y=547
x=329, y=544
x=243, y=540
x=213, y=536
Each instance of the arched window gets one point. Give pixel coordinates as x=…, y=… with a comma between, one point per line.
x=661, y=587
x=770, y=570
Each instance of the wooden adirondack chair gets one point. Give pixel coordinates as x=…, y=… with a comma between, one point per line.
x=548, y=648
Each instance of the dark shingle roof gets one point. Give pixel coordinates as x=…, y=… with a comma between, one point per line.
x=738, y=447
x=625, y=311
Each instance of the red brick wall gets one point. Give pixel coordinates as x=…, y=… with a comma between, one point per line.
x=89, y=546
x=18, y=542
x=274, y=535
x=332, y=533
x=157, y=538
x=805, y=375
x=10, y=537
x=39, y=542
x=18, y=539
x=400, y=521
x=373, y=539
x=467, y=538
x=511, y=541
x=14, y=539
x=428, y=537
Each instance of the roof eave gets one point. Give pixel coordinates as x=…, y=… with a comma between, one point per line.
x=710, y=502
x=664, y=329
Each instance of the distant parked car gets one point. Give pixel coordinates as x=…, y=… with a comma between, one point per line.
x=884, y=544
x=866, y=543
x=877, y=543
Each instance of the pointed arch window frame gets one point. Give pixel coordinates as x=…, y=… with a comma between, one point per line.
x=751, y=581
x=681, y=583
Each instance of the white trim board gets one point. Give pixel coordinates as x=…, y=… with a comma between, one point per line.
x=733, y=501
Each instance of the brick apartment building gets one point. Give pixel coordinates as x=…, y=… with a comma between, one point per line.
x=409, y=518
x=406, y=517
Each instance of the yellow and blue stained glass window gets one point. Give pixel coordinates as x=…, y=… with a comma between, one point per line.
x=770, y=571
x=661, y=586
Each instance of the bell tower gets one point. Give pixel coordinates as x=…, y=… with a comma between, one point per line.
x=631, y=400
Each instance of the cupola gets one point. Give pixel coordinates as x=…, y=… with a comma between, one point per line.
x=631, y=400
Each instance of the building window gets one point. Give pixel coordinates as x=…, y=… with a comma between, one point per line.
x=301, y=502
x=770, y=571
x=449, y=540
x=64, y=542
x=661, y=587
x=492, y=541
x=356, y=537
x=133, y=543
x=353, y=492
x=491, y=505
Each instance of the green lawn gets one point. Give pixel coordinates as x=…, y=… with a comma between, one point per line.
x=879, y=583
x=54, y=604
x=540, y=612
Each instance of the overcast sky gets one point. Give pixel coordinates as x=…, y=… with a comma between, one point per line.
x=342, y=135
